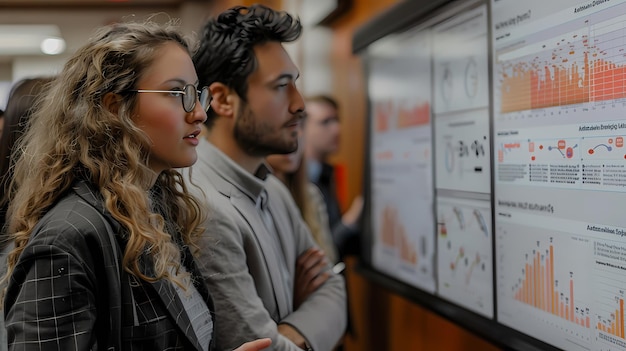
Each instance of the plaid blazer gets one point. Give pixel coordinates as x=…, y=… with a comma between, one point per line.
x=67, y=291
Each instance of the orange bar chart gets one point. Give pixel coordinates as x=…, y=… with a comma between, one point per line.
x=615, y=325
x=540, y=289
x=393, y=235
x=414, y=116
x=562, y=77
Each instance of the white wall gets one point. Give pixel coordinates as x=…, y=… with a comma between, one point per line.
x=36, y=66
x=316, y=61
x=312, y=52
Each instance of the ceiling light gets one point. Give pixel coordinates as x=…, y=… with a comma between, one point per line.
x=52, y=46
x=19, y=39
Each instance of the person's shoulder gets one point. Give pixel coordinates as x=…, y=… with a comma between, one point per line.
x=209, y=179
x=71, y=222
x=198, y=181
x=280, y=197
x=215, y=199
x=277, y=189
x=313, y=191
x=206, y=185
x=273, y=185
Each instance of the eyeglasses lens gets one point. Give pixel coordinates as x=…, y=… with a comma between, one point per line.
x=204, y=98
x=189, y=98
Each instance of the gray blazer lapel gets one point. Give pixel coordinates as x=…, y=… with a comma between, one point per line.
x=248, y=211
x=169, y=296
x=165, y=289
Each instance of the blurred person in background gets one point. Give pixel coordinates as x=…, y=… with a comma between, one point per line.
x=322, y=139
x=291, y=170
x=22, y=99
x=20, y=105
x=101, y=221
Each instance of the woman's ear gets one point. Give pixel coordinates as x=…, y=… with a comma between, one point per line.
x=111, y=102
x=223, y=102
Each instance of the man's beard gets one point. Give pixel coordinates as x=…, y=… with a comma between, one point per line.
x=256, y=138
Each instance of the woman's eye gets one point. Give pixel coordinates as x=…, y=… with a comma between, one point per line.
x=176, y=92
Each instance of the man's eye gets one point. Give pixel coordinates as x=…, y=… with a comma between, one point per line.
x=329, y=121
x=282, y=85
x=176, y=92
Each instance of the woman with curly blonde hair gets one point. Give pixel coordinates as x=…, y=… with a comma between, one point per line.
x=101, y=221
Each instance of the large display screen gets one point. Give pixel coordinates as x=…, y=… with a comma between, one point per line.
x=560, y=170
x=497, y=168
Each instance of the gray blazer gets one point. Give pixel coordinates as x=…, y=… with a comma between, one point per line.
x=69, y=292
x=241, y=260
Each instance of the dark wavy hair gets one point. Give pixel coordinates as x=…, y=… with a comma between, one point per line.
x=225, y=53
x=20, y=105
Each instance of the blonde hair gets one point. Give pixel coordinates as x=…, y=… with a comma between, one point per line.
x=73, y=135
x=296, y=182
x=307, y=198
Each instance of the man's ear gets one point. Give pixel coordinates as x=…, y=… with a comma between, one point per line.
x=111, y=102
x=223, y=102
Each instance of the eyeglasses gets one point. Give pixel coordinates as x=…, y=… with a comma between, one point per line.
x=189, y=95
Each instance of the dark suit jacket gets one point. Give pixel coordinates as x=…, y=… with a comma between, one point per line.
x=346, y=239
x=68, y=292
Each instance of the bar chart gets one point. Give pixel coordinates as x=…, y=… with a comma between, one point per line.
x=545, y=284
x=394, y=236
x=584, y=65
x=569, y=66
x=539, y=288
x=611, y=289
x=614, y=325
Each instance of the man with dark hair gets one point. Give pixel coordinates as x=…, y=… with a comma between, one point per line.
x=322, y=136
x=258, y=258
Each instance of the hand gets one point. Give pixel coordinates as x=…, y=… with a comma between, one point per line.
x=311, y=273
x=255, y=345
x=352, y=216
x=292, y=334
